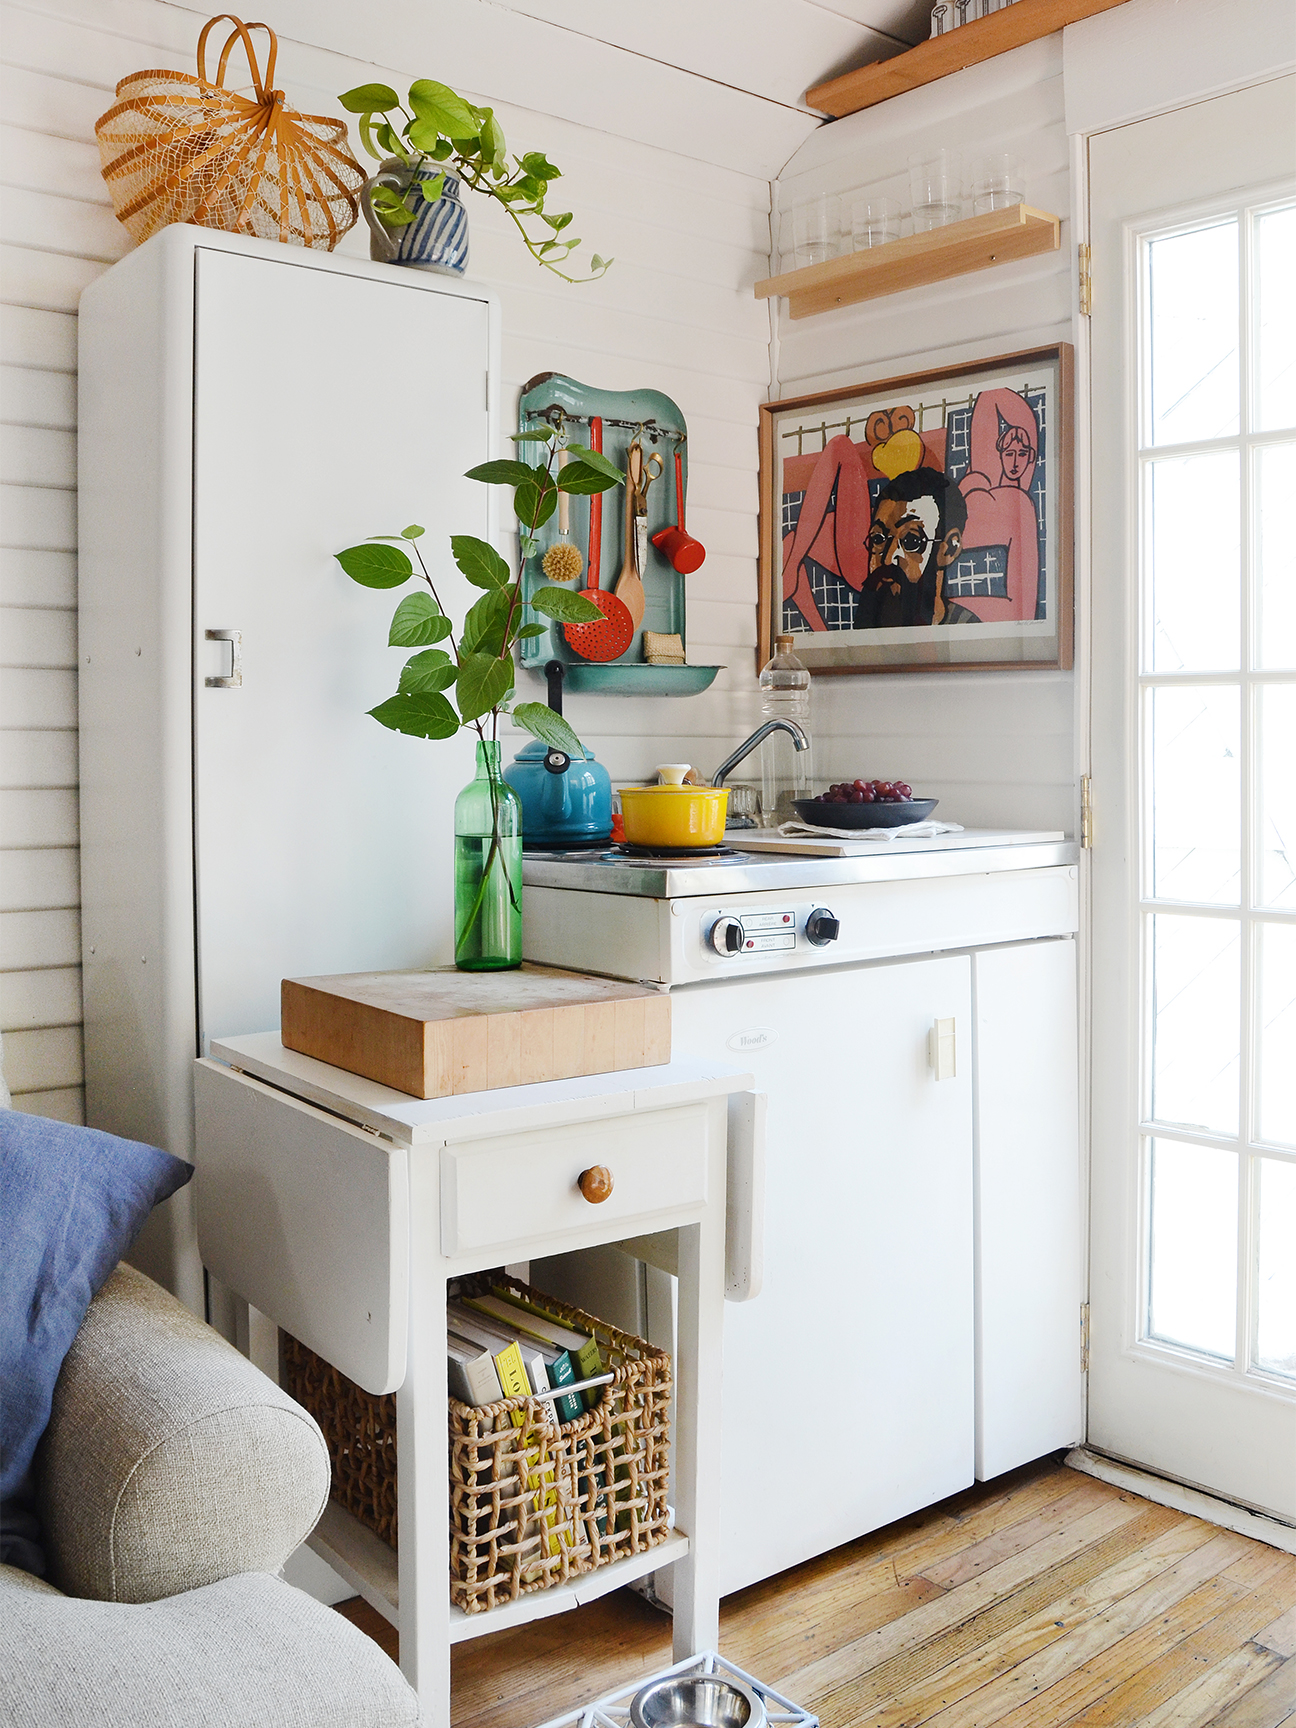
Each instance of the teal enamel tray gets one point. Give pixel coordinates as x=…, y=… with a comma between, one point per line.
x=621, y=678
x=545, y=400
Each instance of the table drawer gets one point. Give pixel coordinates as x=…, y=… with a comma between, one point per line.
x=522, y=1188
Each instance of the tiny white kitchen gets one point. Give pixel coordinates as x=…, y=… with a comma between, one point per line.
x=676, y=842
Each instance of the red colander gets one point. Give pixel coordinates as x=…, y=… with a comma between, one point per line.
x=609, y=637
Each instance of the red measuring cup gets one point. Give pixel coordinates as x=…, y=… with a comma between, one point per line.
x=684, y=552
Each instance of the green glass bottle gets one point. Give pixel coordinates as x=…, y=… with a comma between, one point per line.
x=488, y=869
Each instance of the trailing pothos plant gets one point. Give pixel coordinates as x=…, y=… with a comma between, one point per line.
x=476, y=669
x=440, y=126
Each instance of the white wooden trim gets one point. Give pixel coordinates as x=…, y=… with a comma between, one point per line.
x=1153, y=55
x=359, y=1555
x=1164, y=1491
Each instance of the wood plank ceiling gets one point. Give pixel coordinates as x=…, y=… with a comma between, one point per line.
x=722, y=82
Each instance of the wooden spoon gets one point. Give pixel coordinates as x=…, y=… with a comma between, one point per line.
x=629, y=586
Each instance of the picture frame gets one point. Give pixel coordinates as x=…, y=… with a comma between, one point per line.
x=923, y=523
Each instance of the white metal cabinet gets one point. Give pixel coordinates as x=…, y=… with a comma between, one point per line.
x=863, y=1330
x=246, y=410
x=1028, y=1215
x=925, y=1300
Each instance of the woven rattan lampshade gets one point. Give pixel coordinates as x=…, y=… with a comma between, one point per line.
x=176, y=148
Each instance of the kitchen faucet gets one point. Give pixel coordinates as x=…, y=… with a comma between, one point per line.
x=745, y=749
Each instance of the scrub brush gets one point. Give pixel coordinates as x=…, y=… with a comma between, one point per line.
x=563, y=561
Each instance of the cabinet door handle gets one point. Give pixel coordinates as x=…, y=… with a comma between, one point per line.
x=235, y=640
x=595, y=1183
x=940, y=1049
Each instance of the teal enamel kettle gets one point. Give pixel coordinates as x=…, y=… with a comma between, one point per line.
x=565, y=802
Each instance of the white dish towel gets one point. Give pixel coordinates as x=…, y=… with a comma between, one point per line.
x=907, y=831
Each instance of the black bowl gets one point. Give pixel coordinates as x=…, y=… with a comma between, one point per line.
x=865, y=815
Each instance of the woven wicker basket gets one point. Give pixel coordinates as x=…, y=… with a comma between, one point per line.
x=175, y=148
x=532, y=1502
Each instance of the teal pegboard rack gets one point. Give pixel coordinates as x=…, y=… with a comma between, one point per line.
x=552, y=399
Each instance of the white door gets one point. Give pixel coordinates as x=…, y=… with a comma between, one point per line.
x=1028, y=1201
x=328, y=408
x=1193, y=1273
x=848, y=1382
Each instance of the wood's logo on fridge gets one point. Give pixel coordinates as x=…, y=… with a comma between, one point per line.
x=758, y=1038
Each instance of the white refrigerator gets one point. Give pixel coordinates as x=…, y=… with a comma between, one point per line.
x=247, y=410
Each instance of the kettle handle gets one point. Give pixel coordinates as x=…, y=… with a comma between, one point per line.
x=555, y=672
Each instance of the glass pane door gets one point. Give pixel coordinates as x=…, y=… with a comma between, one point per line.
x=1216, y=795
x=1191, y=882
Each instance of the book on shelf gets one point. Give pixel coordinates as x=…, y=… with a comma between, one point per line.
x=559, y=1346
x=520, y=1373
x=506, y=1305
x=578, y=1350
x=473, y=1376
x=553, y=1355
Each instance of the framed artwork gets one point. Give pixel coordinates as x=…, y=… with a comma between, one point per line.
x=922, y=524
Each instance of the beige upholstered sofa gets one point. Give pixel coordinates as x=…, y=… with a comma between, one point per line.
x=175, y=1479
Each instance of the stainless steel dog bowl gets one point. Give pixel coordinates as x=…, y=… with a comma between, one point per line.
x=696, y=1701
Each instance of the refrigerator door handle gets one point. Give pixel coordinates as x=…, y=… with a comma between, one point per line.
x=235, y=640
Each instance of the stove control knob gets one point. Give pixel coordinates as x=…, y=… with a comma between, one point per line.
x=726, y=936
x=822, y=928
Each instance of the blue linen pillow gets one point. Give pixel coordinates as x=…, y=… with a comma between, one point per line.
x=72, y=1200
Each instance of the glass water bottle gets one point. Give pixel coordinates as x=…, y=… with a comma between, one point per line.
x=785, y=770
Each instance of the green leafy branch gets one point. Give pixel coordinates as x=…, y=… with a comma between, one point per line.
x=478, y=666
x=440, y=126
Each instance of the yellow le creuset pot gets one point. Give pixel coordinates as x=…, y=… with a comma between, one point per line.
x=672, y=814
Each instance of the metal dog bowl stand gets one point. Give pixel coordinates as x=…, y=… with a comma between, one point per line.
x=613, y=1709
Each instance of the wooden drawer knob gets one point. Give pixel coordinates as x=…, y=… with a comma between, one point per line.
x=595, y=1183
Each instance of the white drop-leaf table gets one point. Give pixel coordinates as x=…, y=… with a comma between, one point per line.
x=338, y=1208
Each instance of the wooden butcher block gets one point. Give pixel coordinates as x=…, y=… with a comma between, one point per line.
x=438, y=1033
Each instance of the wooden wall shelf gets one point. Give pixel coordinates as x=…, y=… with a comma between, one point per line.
x=1026, y=21
x=995, y=238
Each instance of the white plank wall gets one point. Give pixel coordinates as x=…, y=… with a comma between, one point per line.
x=690, y=237
x=995, y=748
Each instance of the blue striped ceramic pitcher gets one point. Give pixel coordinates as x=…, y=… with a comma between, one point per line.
x=437, y=238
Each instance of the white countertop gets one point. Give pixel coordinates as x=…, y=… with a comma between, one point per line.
x=974, y=851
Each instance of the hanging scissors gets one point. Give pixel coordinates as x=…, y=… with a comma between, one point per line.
x=642, y=472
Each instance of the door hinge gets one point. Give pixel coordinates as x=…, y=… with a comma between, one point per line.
x=1084, y=1337
x=1086, y=281
x=1086, y=813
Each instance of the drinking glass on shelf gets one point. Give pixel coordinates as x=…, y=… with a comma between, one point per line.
x=816, y=226
x=874, y=221
x=996, y=182
x=936, y=190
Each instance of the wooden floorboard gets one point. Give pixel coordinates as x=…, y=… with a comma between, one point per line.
x=1045, y=1599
